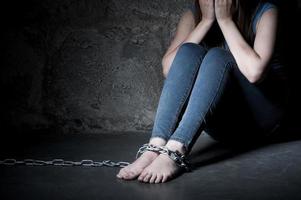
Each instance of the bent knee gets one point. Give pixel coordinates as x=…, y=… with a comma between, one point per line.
x=190, y=48
x=219, y=53
x=219, y=57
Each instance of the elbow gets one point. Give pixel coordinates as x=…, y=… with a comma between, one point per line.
x=164, y=72
x=165, y=68
x=254, y=71
x=253, y=79
x=255, y=76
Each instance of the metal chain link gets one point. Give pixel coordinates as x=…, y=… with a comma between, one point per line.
x=180, y=159
x=62, y=162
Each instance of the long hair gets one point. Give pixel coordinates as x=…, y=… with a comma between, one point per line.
x=243, y=12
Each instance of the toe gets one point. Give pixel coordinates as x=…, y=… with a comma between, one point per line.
x=125, y=174
x=153, y=178
x=132, y=174
x=147, y=177
x=158, y=178
x=121, y=173
x=118, y=175
x=165, y=177
x=128, y=175
x=142, y=175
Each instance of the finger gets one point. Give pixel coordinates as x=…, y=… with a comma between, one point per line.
x=220, y=2
x=215, y=2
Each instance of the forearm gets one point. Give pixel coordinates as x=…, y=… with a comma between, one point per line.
x=247, y=59
x=199, y=32
x=195, y=36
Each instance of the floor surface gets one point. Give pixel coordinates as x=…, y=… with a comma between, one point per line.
x=272, y=171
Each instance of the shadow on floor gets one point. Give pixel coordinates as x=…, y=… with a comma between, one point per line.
x=210, y=151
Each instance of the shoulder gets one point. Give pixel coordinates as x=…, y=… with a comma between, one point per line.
x=262, y=8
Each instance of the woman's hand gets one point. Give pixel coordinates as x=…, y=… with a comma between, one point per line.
x=207, y=10
x=223, y=10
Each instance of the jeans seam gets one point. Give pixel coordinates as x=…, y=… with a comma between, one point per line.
x=216, y=92
x=218, y=88
x=184, y=98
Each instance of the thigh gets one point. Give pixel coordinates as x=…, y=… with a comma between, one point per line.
x=248, y=112
x=267, y=99
x=232, y=120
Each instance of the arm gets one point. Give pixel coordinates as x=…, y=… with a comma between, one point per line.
x=252, y=62
x=189, y=31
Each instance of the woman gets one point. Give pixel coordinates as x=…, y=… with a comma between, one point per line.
x=235, y=89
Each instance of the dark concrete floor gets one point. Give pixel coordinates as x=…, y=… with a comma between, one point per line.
x=271, y=171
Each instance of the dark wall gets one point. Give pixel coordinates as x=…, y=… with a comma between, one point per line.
x=289, y=40
x=84, y=65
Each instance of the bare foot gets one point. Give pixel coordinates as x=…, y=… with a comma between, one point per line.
x=162, y=168
x=134, y=169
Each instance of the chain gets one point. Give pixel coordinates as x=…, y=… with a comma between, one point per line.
x=62, y=162
x=180, y=159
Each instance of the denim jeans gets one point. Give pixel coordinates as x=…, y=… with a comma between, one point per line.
x=205, y=90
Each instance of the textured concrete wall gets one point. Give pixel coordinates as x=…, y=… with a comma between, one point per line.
x=85, y=65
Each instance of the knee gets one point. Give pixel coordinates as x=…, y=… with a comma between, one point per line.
x=191, y=49
x=217, y=51
x=219, y=57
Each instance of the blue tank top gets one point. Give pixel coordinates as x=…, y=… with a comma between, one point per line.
x=259, y=12
x=263, y=7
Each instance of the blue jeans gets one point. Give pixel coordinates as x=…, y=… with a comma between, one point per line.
x=205, y=90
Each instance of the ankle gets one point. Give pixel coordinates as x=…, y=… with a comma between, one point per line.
x=176, y=145
x=157, y=141
x=150, y=154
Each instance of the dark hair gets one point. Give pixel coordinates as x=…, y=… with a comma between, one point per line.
x=243, y=14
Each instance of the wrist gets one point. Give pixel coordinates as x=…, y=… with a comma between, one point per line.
x=224, y=21
x=207, y=21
